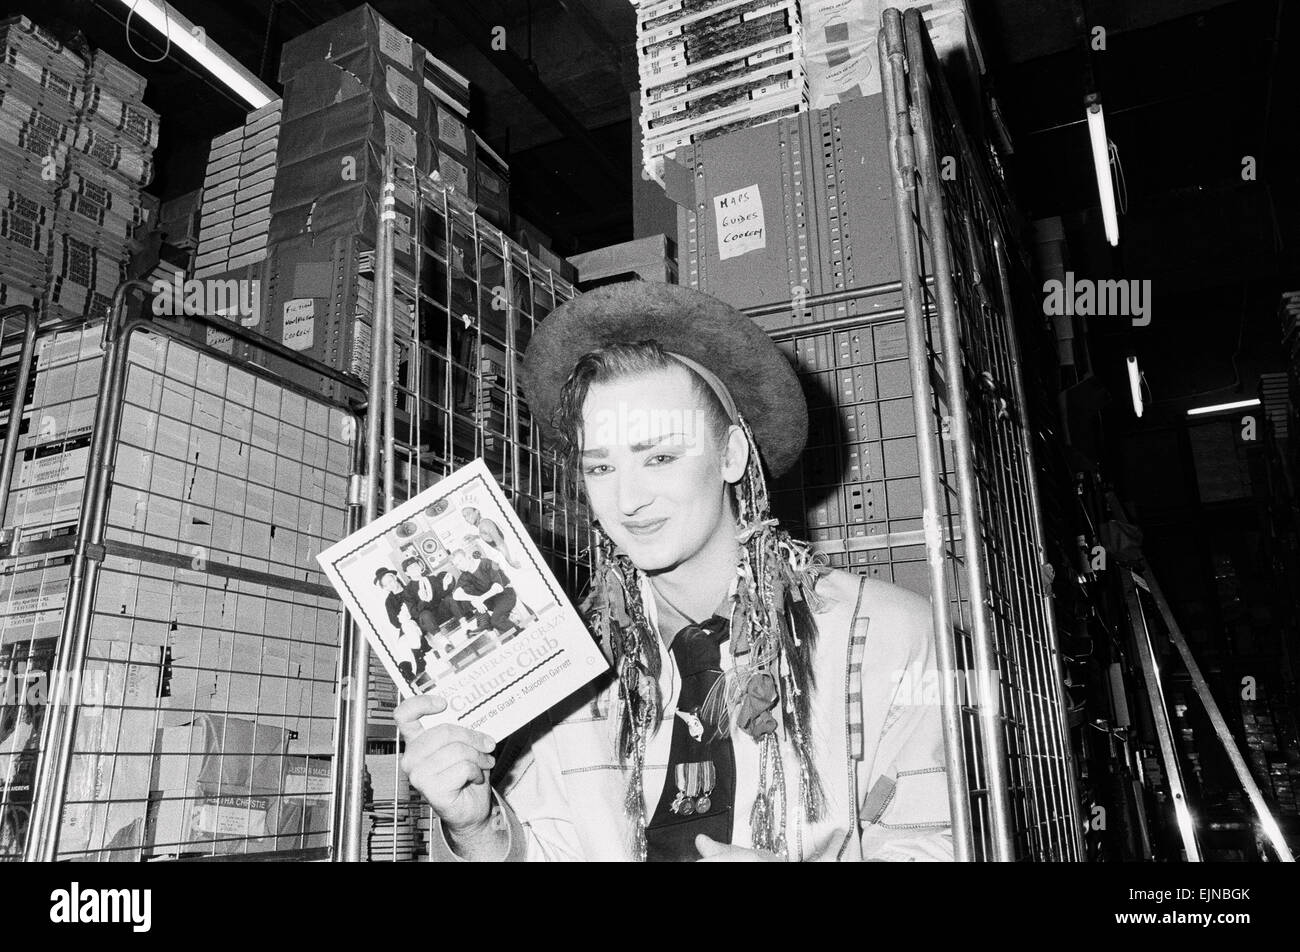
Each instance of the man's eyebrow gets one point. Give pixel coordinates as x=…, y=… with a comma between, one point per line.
x=650, y=444
x=602, y=453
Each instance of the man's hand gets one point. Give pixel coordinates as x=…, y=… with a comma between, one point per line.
x=447, y=763
x=481, y=605
x=711, y=851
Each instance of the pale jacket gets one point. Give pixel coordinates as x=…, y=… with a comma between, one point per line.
x=875, y=730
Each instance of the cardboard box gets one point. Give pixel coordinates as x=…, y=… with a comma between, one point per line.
x=653, y=258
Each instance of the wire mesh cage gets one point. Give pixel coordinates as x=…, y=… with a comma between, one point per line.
x=462, y=302
x=1012, y=779
x=159, y=575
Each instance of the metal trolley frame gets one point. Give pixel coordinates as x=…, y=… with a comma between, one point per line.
x=1011, y=777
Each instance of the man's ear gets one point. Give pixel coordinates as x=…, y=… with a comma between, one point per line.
x=735, y=454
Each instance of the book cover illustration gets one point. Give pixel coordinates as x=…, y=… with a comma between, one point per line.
x=456, y=600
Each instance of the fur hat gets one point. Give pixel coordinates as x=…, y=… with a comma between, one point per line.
x=685, y=322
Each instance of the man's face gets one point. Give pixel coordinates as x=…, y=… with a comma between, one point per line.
x=390, y=583
x=654, y=468
x=463, y=562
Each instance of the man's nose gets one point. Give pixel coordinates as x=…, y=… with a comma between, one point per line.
x=633, y=494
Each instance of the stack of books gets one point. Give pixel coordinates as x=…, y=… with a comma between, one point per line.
x=708, y=67
x=42, y=88
x=392, y=813
x=236, y=204
x=101, y=203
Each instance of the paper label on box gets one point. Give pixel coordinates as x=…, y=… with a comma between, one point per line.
x=403, y=90
x=454, y=174
x=299, y=326
x=451, y=130
x=232, y=816
x=396, y=45
x=740, y=223
x=400, y=137
x=222, y=342
x=309, y=778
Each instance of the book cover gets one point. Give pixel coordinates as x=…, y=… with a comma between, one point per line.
x=456, y=600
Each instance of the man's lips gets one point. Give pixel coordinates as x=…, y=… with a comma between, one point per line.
x=644, y=527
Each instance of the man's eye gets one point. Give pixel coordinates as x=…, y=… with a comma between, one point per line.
x=660, y=458
x=596, y=469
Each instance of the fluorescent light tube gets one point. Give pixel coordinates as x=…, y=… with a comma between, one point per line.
x=194, y=41
x=1220, y=407
x=1135, y=385
x=1101, y=165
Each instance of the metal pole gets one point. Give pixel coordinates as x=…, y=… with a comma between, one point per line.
x=1160, y=714
x=1266, y=819
x=10, y=451
x=902, y=158
x=987, y=671
x=58, y=730
x=385, y=298
x=350, y=789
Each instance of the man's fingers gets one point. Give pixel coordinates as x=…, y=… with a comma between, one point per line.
x=447, y=755
x=425, y=742
x=412, y=709
x=441, y=787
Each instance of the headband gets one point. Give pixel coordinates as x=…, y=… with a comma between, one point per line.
x=715, y=384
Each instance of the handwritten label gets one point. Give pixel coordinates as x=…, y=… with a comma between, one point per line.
x=739, y=216
x=299, y=324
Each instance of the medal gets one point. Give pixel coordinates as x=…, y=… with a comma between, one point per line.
x=695, y=781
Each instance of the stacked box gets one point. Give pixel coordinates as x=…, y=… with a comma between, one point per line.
x=42, y=88
x=100, y=203
x=780, y=214
x=843, y=59
x=236, y=204
x=653, y=258
x=178, y=220
x=210, y=610
x=54, y=449
x=712, y=66
x=856, y=494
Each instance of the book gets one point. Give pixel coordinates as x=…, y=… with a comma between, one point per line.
x=414, y=581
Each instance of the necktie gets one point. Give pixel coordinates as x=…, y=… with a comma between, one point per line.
x=700, y=788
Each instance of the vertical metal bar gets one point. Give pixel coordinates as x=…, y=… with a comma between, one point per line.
x=902, y=160
x=988, y=676
x=10, y=452
x=1074, y=815
x=58, y=730
x=350, y=789
x=386, y=298
x=1160, y=714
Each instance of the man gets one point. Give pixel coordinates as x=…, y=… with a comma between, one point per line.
x=483, y=591
x=759, y=709
x=490, y=533
x=430, y=593
x=398, y=595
